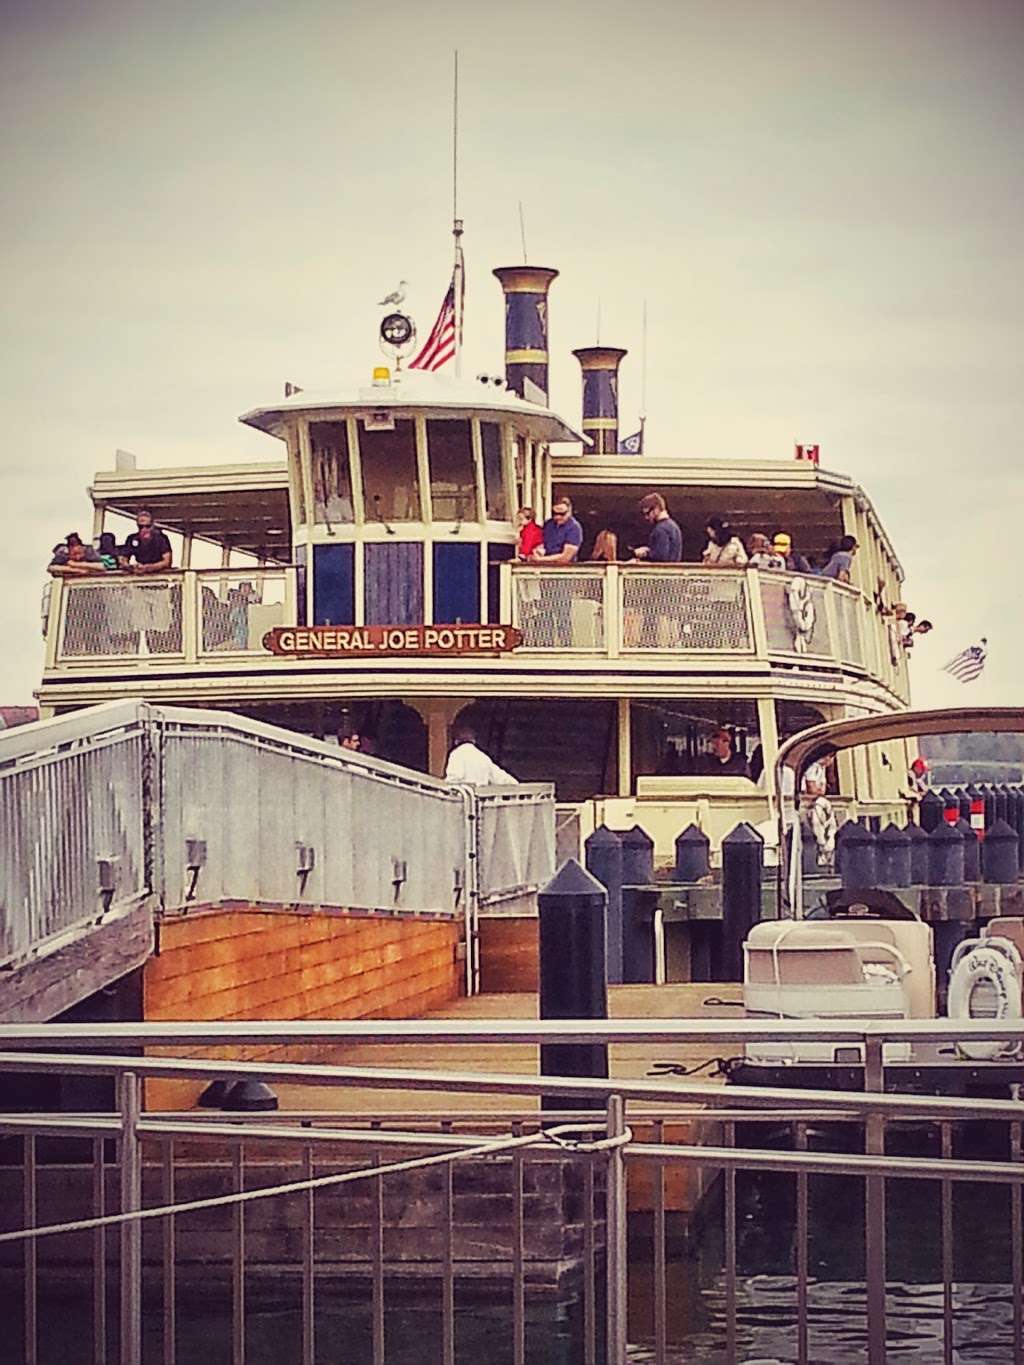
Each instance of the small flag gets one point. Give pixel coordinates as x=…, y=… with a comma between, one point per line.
x=808, y=453
x=632, y=445
x=439, y=346
x=968, y=664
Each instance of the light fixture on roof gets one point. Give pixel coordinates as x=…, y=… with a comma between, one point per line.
x=495, y=379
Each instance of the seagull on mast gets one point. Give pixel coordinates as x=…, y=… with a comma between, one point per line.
x=396, y=296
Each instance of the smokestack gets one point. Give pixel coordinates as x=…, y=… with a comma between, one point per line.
x=600, y=366
x=526, y=328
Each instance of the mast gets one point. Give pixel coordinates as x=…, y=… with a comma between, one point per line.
x=643, y=382
x=458, y=271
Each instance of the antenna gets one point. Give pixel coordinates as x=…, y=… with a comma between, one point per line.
x=522, y=230
x=597, y=327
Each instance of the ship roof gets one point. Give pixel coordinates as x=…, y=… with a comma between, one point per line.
x=418, y=390
x=241, y=505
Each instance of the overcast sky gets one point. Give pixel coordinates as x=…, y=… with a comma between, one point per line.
x=821, y=202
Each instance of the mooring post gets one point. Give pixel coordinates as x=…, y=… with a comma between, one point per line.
x=918, y=841
x=929, y=811
x=131, y=1229
x=972, y=851
x=637, y=857
x=603, y=857
x=693, y=855
x=742, y=864
x=639, y=904
x=892, y=856
x=950, y=806
x=945, y=856
x=1001, y=854
x=571, y=911
x=856, y=852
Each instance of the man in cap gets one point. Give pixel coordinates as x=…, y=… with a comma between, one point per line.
x=795, y=563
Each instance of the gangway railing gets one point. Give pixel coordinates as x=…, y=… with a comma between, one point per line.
x=328, y=1144
x=179, y=807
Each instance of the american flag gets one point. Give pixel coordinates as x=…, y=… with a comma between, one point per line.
x=807, y=453
x=968, y=664
x=441, y=344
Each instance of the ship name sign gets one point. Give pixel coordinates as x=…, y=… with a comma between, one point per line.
x=370, y=641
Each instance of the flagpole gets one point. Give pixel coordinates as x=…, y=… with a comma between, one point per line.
x=643, y=379
x=458, y=272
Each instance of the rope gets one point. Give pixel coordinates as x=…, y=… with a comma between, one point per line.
x=558, y=1137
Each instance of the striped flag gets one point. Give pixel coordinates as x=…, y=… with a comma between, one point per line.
x=440, y=345
x=968, y=664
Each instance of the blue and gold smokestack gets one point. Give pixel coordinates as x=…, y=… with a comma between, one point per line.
x=526, y=326
x=600, y=366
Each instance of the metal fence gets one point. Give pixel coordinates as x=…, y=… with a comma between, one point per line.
x=119, y=802
x=271, y=1180
x=73, y=796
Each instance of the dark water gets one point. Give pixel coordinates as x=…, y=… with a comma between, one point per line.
x=766, y=1295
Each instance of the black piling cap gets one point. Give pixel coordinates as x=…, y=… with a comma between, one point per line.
x=602, y=837
x=945, y=833
x=572, y=880
x=1000, y=830
x=915, y=834
x=692, y=835
x=893, y=834
x=853, y=832
x=250, y=1096
x=744, y=833
x=637, y=837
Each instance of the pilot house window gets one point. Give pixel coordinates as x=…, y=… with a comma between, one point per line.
x=332, y=482
x=391, y=489
x=494, y=472
x=452, y=473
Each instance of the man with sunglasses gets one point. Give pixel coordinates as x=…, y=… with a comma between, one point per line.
x=563, y=536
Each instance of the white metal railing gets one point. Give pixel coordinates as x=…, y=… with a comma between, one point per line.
x=119, y=802
x=186, y=616
x=730, y=614
x=632, y=1131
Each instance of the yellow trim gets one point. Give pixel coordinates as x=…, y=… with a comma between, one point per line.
x=526, y=357
x=600, y=423
x=525, y=279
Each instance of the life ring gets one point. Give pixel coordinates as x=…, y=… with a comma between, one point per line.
x=985, y=983
x=802, y=613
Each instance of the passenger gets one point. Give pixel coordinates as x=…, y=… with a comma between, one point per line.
x=724, y=549
x=349, y=739
x=665, y=541
x=530, y=534
x=719, y=760
x=149, y=547
x=80, y=561
x=840, y=560
x=562, y=534
x=367, y=745
x=795, y=563
x=467, y=763
x=906, y=629
x=923, y=627
x=108, y=550
x=606, y=548
x=762, y=556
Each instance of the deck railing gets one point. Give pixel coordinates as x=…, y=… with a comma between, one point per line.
x=266, y=1182
x=722, y=619
x=718, y=618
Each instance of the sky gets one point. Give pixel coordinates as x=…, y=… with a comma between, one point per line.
x=819, y=200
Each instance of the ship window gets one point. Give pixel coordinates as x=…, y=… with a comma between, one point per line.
x=452, y=475
x=494, y=473
x=391, y=487
x=332, y=482
x=675, y=738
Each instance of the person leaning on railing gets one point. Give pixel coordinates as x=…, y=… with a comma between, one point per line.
x=562, y=536
x=74, y=559
x=665, y=539
x=724, y=549
x=148, y=546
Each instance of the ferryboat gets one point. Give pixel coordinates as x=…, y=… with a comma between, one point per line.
x=368, y=580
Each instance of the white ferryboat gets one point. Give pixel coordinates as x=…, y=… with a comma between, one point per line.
x=367, y=580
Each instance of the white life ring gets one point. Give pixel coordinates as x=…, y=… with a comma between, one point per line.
x=985, y=983
x=802, y=613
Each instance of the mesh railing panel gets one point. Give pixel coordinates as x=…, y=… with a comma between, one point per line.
x=121, y=617
x=557, y=610
x=515, y=841
x=670, y=611
x=791, y=628
x=236, y=610
x=847, y=609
